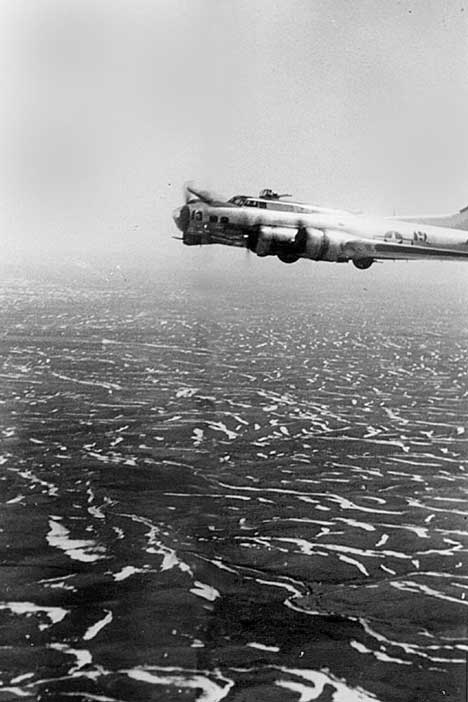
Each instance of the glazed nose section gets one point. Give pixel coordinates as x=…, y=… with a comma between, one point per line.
x=176, y=217
x=181, y=217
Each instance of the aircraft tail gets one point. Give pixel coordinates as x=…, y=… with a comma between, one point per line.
x=459, y=220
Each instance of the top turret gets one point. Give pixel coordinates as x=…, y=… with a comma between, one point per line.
x=268, y=194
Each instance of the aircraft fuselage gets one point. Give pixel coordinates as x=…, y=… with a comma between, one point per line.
x=295, y=230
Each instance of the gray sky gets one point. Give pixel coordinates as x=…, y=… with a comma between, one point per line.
x=107, y=107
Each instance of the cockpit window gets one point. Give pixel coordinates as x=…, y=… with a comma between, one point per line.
x=224, y=220
x=243, y=201
x=238, y=200
x=280, y=205
x=198, y=216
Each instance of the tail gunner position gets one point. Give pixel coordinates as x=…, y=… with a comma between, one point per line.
x=268, y=225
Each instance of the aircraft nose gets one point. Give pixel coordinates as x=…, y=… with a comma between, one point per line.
x=181, y=216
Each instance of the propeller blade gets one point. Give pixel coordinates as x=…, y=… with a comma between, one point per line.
x=188, y=194
x=191, y=193
x=252, y=238
x=300, y=240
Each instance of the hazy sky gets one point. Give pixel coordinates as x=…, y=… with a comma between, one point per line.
x=107, y=107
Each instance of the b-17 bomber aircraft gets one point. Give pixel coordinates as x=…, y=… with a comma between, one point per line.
x=269, y=225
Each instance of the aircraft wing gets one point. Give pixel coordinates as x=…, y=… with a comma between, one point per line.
x=370, y=248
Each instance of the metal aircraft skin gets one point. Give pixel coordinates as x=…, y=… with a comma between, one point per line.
x=271, y=226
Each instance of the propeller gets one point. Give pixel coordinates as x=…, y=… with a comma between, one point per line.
x=300, y=240
x=251, y=239
x=191, y=193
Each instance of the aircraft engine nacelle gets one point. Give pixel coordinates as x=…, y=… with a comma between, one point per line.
x=271, y=240
x=290, y=243
x=325, y=245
